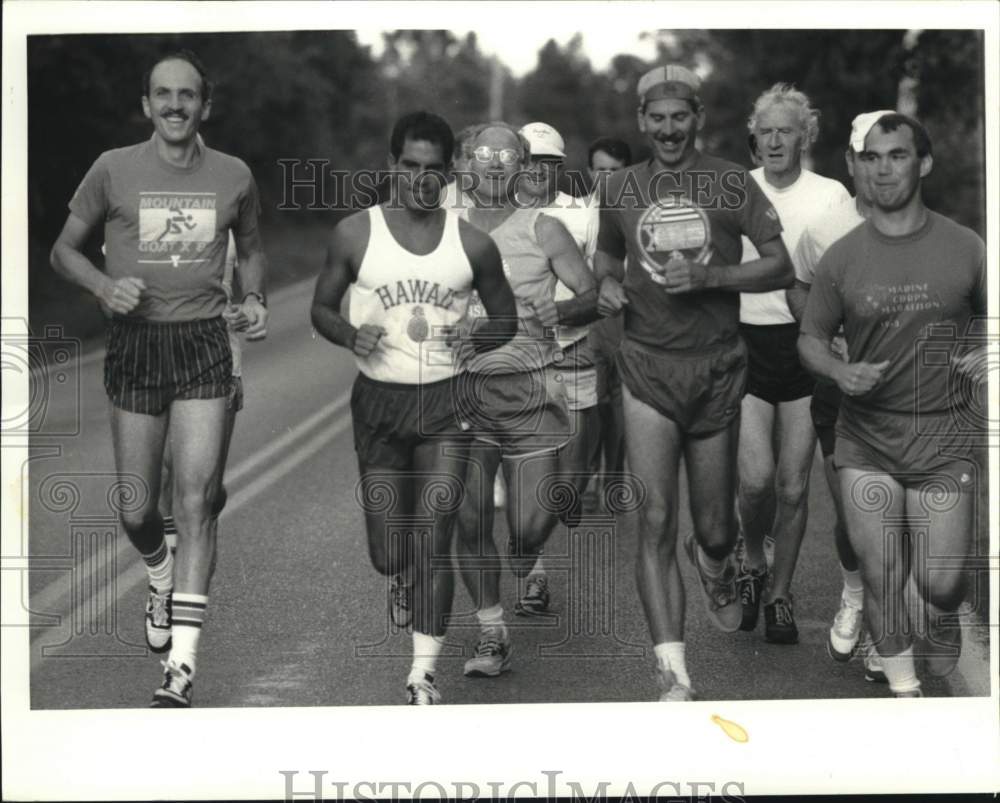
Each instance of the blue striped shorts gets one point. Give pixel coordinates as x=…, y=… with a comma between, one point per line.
x=148, y=364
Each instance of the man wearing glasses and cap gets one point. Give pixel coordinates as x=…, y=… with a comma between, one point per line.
x=669, y=253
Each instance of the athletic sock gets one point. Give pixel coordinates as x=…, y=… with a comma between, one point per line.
x=538, y=570
x=711, y=566
x=854, y=591
x=160, y=567
x=900, y=671
x=187, y=617
x=426, y=649
x=670, y=655
x=491, y=617
x=170, y=533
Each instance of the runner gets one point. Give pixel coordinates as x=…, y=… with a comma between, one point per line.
x=682, y=362
x=848, y=624
x=774, y=488
x=516, y=399
x=167, y=205
x=905, y=285
x=411, y=268
x=606, y=156
x=540, y=188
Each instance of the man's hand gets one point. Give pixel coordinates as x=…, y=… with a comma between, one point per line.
x=545, y=310
x=612, y=298
x=256, y=315
x=121, y=296
x=235, y=317
x=366, y=339
x=682, y=276
x=974, y=365
x=855, y=379
x=838, y=345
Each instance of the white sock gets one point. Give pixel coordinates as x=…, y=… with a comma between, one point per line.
x=854, y=591
x=900, y=671
x=187, y=617
x=670, y=654
x=160, y=568
x=491, y=617
x=538, y=570
x=712, y=567
x=426, y=649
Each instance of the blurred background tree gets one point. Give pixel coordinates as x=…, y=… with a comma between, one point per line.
x=324, y=95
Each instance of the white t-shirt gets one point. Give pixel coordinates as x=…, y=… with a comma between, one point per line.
x=819, y=235
x=810, y=198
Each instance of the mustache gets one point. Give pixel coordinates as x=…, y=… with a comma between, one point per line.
x=673, y=139
x=174, y=113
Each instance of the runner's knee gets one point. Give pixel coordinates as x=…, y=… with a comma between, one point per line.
x=221, y=497
x=791, y=490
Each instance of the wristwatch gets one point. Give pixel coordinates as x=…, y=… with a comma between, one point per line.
x=256, y=295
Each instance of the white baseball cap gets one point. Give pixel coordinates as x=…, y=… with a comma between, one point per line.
x=862, y=125
x=544, y=140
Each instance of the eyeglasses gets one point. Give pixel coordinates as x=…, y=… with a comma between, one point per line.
x=486, y=154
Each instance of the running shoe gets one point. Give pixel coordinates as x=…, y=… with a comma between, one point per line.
x=399, y=601
x=845, y=632
x=536, y=597
x=779, y=622
x=158, y=609
x=492, y=654
x=422, y=692
x=176, y=689
x=874, y=671
x=750, y=584
x=670, y=690
x=721, y=597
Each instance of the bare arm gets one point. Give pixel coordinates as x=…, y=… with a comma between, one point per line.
x=610, y=273
x=493, y=288
x=796, y=296
x=771, y=271
x=251, y=263
x=336, y=275
x=571, y=269
x=854, y=379
x=117, y=295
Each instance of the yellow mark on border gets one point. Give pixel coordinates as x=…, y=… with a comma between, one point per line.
x=733, y=731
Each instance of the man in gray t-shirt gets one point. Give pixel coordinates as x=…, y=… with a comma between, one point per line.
x=905, y=285
x=167, y=206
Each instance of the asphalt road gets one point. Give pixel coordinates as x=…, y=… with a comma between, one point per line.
x=297, y=616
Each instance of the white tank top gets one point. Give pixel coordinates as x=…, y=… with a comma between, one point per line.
x=413, y=298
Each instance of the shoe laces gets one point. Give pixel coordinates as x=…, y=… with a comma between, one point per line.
x=847, y=619
x=159, y=609
x=423, y=692
x=536, y=588
x=175, y=678
x=783, y=612
x=722, y=588
x=400, y=593
x=748, y=582
x=491, y=642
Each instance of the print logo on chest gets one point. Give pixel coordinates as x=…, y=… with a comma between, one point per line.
x=175, y=228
